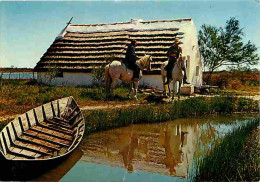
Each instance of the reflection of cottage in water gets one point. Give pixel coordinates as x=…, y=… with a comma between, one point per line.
x=80, y=48
x=165, y=148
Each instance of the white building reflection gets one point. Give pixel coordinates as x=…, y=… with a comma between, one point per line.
x=166, y=148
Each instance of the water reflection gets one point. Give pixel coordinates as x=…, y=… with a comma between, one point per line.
x=155, y=152
x=167, y=148
x=127, y=145
x=38, y=171
x=56, y=173
x=173, y=142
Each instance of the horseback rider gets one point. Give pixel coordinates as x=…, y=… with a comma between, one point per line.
x=173, y=53
x=131, y=58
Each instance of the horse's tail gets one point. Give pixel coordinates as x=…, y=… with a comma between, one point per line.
x=163, y=71
x=108, y=78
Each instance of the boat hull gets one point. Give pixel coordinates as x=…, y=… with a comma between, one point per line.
x=40, y=139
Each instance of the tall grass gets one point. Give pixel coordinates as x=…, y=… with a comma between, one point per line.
x=223, y=162
x=99, y=120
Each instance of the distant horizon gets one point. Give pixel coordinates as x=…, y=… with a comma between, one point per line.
x=27, y=68
x=28, y=28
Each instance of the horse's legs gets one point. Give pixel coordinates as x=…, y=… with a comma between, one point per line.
x=173, y=91
x=113, y=85
x=179, y=89
x=131, y=89
x=164, y=86
x=109, y=86
x=136, y=83
x=169, y=90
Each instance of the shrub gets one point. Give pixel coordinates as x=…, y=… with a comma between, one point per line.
x=235, y=84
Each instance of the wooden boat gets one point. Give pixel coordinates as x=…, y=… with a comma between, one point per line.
x=45, y=133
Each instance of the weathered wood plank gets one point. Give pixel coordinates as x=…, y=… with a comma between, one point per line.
x=52, y=135
x=47, y=140
x=59, y=125
x=61, y=120
x=10, y=156
x=24, y=147
x=14, y=149
x=28, y=153
x=40, y=143
x=49, y=127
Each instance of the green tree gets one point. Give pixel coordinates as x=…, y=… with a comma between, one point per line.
x=225, y=47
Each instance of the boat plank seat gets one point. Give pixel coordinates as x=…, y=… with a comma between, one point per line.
x=39, y=155
x=40, y=142
x=48, y=137
x=10, y=156
x=45, y=138
x=59, y=123
x=60, y=120
x=53, y=128
x=18, y=152
x=51, y=133
x=28, y=153
x=34, y=147
x=14, y=149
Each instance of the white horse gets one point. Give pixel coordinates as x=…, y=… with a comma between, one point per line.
x=177, y=75
x=117, y=70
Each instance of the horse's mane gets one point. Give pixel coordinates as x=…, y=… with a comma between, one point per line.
x=145, y=57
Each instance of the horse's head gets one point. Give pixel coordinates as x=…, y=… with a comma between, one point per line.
x=148, y=63
x=145, y=62
x=181, y=61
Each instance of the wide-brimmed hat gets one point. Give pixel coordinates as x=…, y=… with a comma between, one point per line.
x=176, y=40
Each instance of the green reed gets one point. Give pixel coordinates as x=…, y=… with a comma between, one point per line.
x=225, y=162
x=98, y=120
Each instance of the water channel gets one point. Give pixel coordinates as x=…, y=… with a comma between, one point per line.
x=22, y=75
x=144, y=152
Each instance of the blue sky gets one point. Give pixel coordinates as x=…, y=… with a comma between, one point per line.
x=28, y=28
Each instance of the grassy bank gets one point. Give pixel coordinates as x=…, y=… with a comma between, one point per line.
x=231, y=159
x=18, y=96
x=99, y=120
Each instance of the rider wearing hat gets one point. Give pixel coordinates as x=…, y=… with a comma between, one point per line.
x=130, y=59
x=173, y=53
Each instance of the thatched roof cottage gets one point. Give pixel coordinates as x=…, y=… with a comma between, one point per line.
x=81, y=47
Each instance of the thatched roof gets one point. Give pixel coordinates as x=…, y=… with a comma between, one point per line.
x=83, y=47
